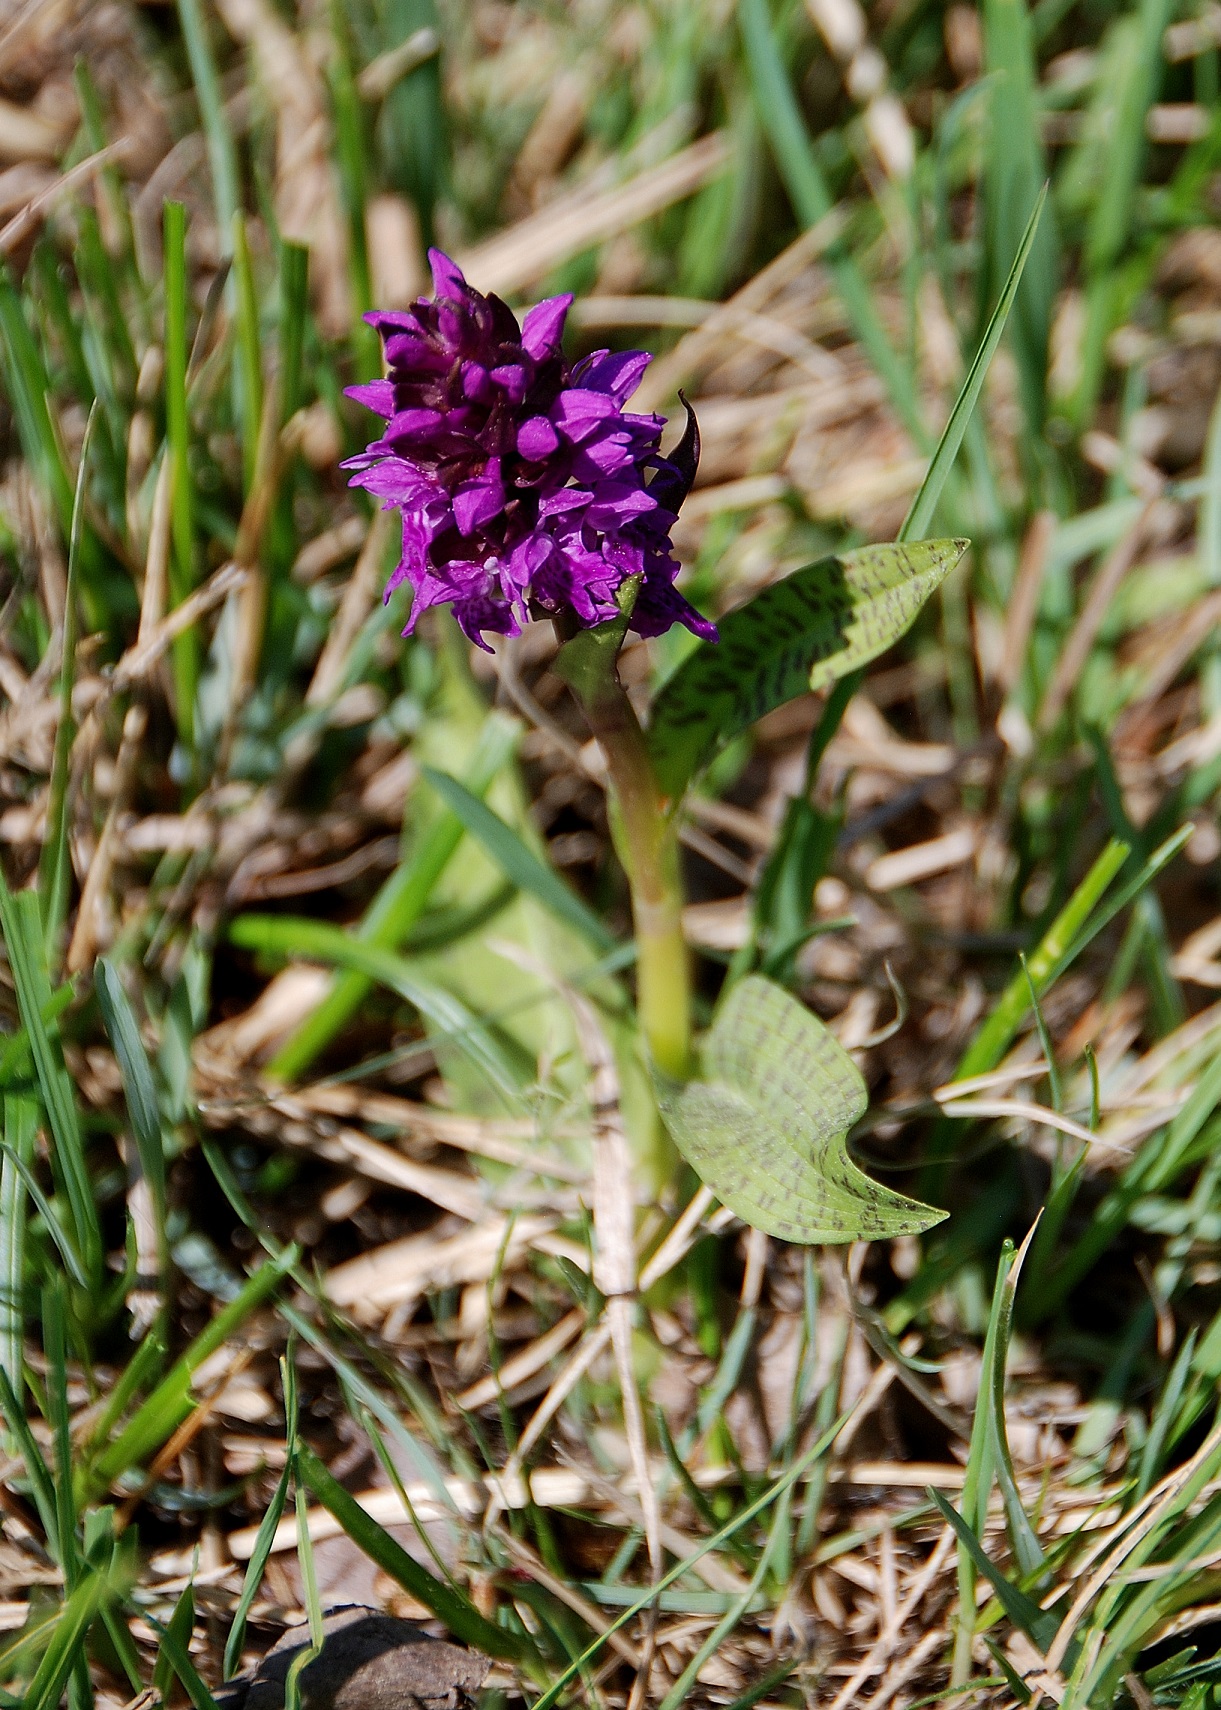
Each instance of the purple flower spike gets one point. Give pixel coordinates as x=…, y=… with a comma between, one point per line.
x=521, y=480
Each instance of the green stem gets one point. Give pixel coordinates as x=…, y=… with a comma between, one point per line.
x=649, y=844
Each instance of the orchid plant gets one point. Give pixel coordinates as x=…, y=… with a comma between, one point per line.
x=529, y=492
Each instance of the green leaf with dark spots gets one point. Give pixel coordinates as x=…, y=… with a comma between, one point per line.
x=802, y=633
x=765, y=1127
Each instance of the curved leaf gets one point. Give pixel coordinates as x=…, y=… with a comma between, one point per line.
x=801, y=633
x=766, y=1126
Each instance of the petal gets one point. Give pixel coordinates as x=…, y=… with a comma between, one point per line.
x=395, y=480
x=615, y=372
x=577, y=412
x=543, y=327
x=564, y=500
x=377, y=395
x=413, y=424
x=659, y=606
x=511, y=378
x=601, y=455
x=477, y=502
x=612, y=512
x=475, y=381
x=409, y=354
x=447, y=278
x=529, y=556
x=452, y=322
x=392, y=320
x=478, y=612
x=537, y=439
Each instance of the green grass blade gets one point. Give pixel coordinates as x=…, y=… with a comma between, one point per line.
x=1039, y=1625
x=1014, y=168
x=20, y=1128
x=180, y=1629
x=782, y=120
x=134, y=1067
x=184, y=1668
x=42, y=1485
x=1161, y=858
x=265, y=1536
x=248, y=354
x=518, y=862
x=1111, y=212
x=138, y=1370
x=765, y=1685
x=354, y=179
x=78, y=1614
x=290, y=935
x=222, y=152
x=821, y=1446
x=313, y=1603
x=727, y=1625
x=62, y=1241
x=55, y=863
x=1136, y=66
x=182, y=564
x=1045, y=1041
x=1164, y=1416
x=919, y=519
x=55, y=1345
x=1073, y=928
x=124, y=1645
x=1153, y=1169
x=28, y=388
x=977, y=1481
x=1209, y=538
x=396, y=909
x=990, y=1459
x=460, y=1616
x=1055, y=1213
x=93, y=116
x=294, y=308
x=361, y=1395
x=22, y=925
x=1022, y=1540
x=1038, y=972
x=170, y=1402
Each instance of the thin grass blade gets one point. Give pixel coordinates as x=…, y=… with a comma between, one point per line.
x=460, y=1616
x=55, y=865
x=519, y=863
x=920, y=517
x=397, y=908
x=265, y=1537
x=171, y=1401
x=288, y=935
x=20, y=1128
x=21, y=920
x=138, y=1085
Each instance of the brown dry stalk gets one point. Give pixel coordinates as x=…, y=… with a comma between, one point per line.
x=1023, y=602
x=1081, y=637
x=541, y=242
x=87, y=932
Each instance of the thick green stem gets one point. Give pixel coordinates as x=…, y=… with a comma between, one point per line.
x=649, y=845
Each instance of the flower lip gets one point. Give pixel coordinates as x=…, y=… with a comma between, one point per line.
x=524, y=485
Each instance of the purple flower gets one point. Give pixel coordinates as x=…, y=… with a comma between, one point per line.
x=521, y=480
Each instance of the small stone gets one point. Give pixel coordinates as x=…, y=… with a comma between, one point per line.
x=369, y=1661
